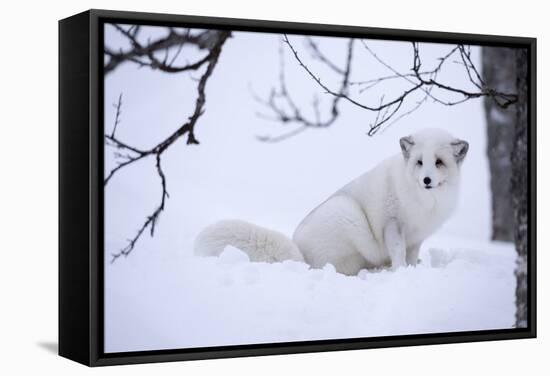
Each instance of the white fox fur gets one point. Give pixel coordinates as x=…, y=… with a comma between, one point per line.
x=379, y=219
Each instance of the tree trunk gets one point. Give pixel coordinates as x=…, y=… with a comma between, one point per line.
x=520, y=187
x=499, y=72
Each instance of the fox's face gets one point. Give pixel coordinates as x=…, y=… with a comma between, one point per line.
x=433, y=157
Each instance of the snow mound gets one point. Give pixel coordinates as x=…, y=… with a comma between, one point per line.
x=232, y=256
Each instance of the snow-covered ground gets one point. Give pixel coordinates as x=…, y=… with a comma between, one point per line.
x=162, y=297
x=191, y=302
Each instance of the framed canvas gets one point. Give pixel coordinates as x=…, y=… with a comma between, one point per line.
x=236, y=187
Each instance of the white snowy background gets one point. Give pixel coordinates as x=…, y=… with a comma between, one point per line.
x=163, y=297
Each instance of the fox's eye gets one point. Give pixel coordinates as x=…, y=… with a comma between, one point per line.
x=439, y=163
x=419, y=162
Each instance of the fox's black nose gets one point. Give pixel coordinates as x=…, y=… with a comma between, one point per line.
x=427, y=181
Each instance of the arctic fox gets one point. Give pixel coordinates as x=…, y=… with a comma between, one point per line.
x=379, y=219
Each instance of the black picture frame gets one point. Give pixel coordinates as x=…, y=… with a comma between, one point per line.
x=81, y=188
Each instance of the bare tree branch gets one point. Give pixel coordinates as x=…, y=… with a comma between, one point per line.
x=215, y=42
x=118, y=107
x=144, y=54
x=502, y=99
x=428, y=91
x=291, y=113
x=151, y=220
x=316, y=52
x=387, y=111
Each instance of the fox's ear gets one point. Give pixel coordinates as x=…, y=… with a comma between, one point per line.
x=460, y=149
x=406, y=144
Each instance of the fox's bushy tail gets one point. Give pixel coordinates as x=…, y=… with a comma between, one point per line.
x=260, y=244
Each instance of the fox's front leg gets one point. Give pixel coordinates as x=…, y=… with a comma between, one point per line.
x=395, y=244
x=412, y=254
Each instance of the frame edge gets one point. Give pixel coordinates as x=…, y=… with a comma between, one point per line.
x=74, y=247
